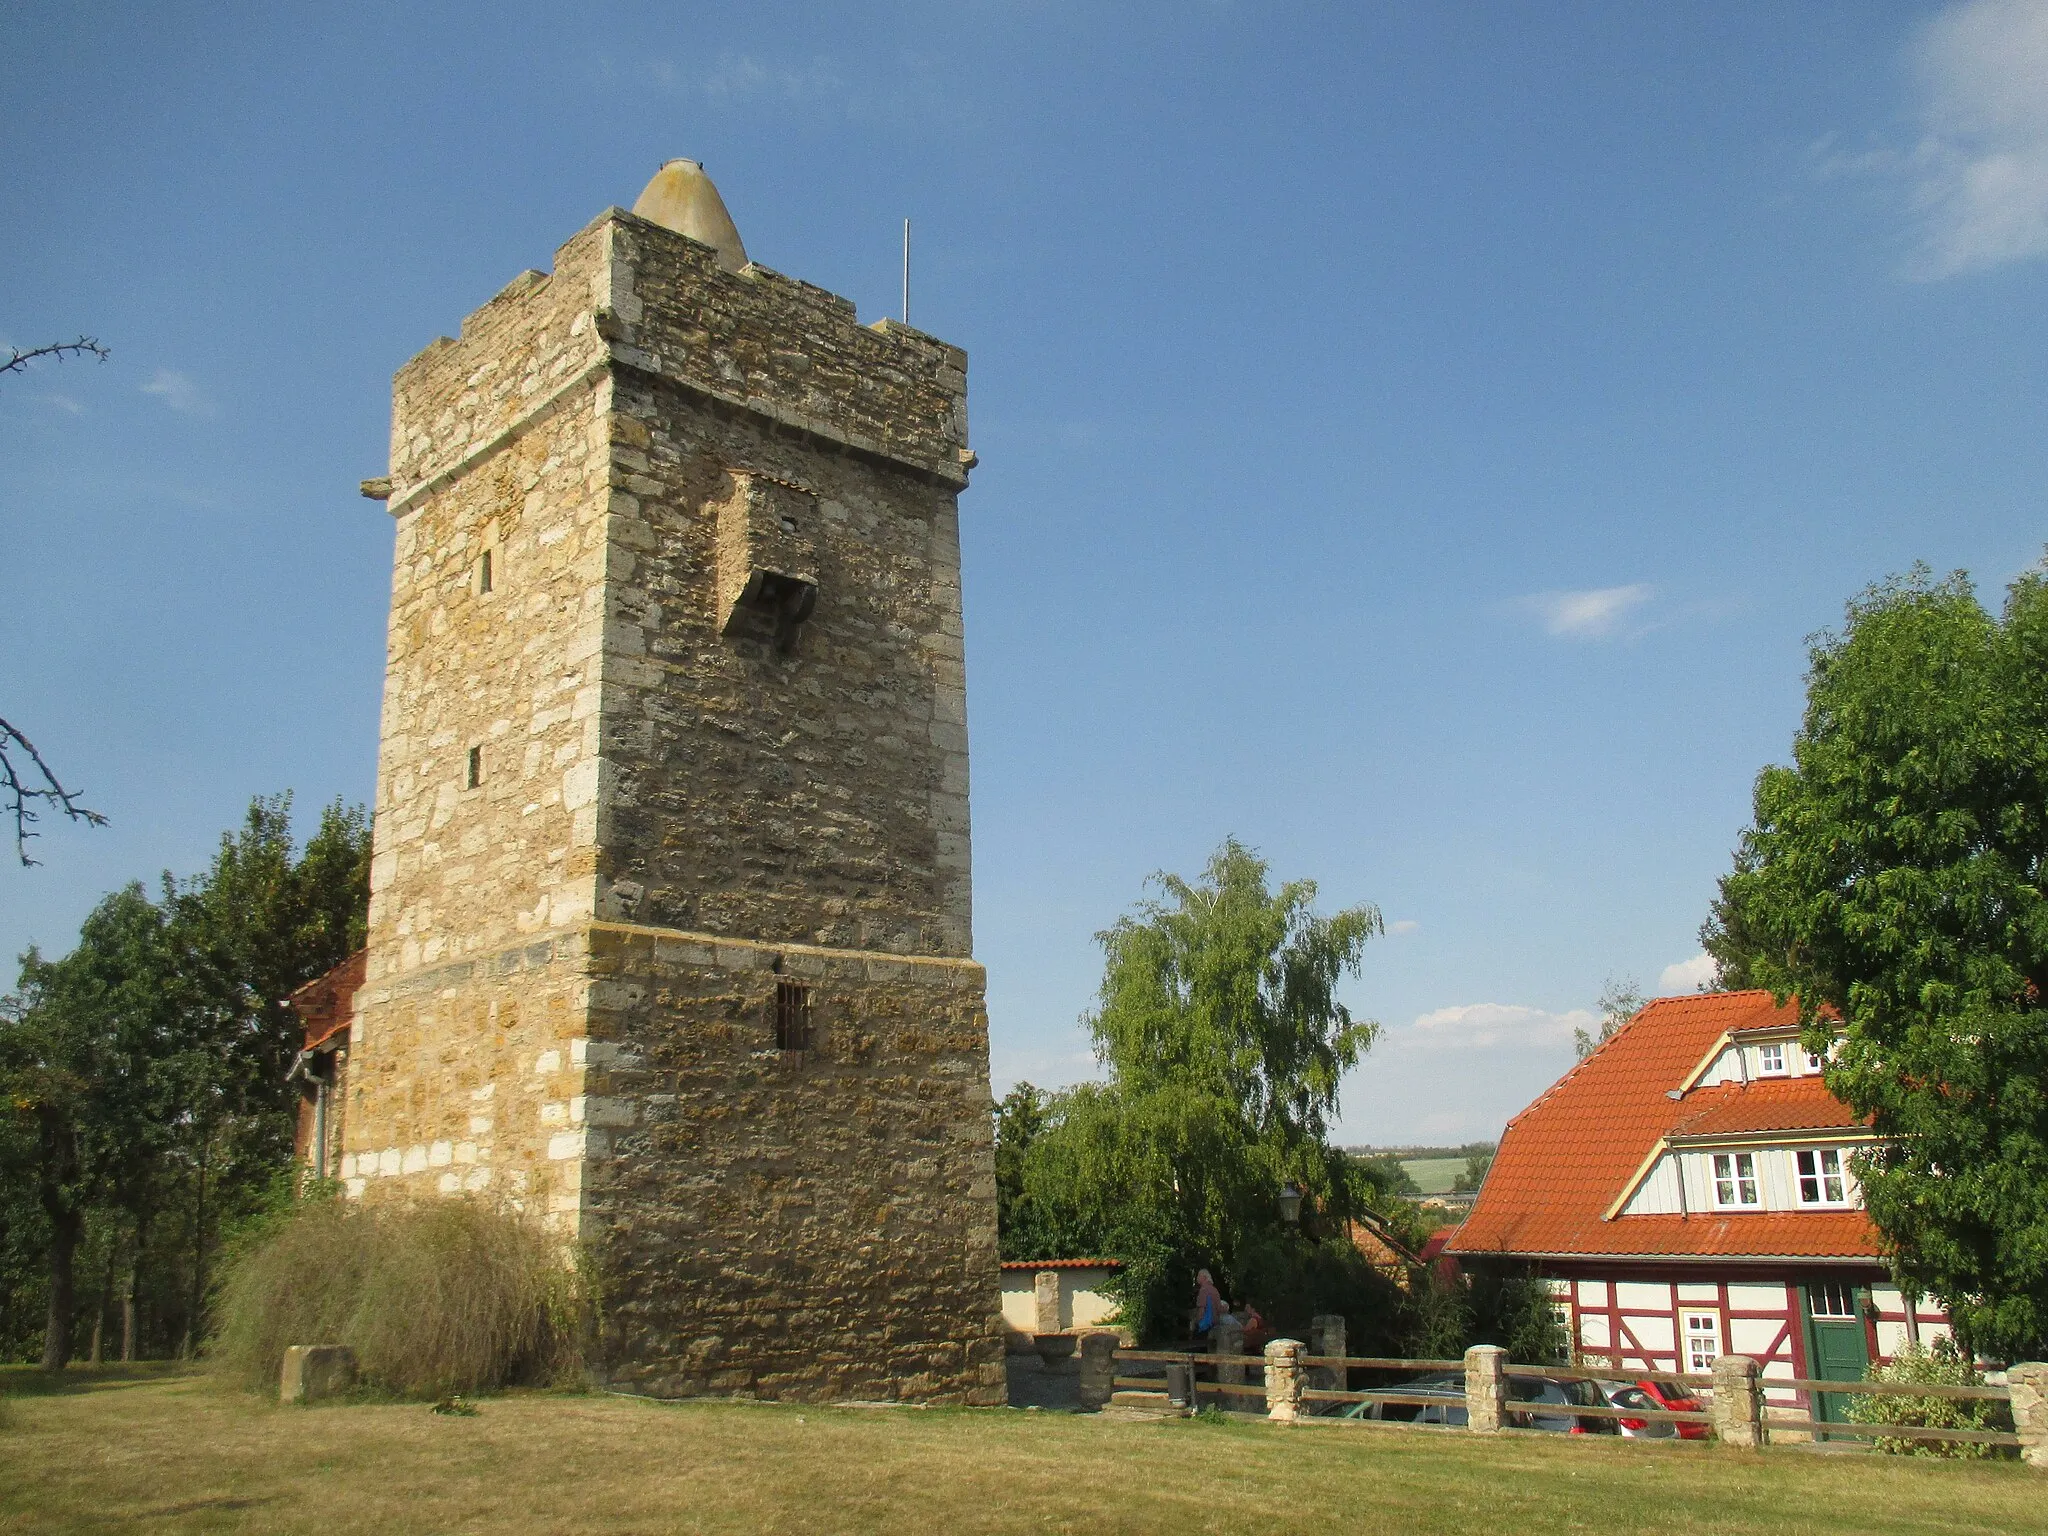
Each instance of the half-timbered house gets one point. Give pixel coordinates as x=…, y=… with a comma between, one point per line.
x=1688, y=1191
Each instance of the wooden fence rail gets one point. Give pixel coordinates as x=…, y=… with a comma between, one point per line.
x=1291, y=1381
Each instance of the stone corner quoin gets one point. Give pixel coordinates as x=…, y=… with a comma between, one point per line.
x=670, y=925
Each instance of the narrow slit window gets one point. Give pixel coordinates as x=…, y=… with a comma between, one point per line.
x=476, y=767
x=792, y=1016
x=483, y=573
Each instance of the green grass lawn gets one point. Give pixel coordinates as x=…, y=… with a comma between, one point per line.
x=1434, y=1175
x=158, y=1451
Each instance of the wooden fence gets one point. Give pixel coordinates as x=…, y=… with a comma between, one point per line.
x=1291, y=1384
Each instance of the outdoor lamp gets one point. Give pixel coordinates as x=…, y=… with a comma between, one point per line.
x=1290, y=1203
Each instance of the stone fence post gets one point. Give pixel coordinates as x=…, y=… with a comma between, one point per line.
x=1486, y=1389
x=1045, y=1301
x=1098, y=1370
x=314, y=1371
x=1283, y=1380
x=1738, y=1406
x=2029, y=1385
x=1326, y=1335
x=1227, y=1338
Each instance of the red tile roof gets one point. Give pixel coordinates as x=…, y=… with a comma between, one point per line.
x=326, y=1003
x=1566, y=1159
x=1766, y=1104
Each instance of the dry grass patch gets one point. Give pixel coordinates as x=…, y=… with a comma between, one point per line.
x=451, y=1296
x=184, y=1454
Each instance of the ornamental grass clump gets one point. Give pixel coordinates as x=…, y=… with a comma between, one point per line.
x=1943, y=1365
x=452, y=1297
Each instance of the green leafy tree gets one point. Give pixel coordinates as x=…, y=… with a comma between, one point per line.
x=1893, y=881
x=1386, y=1174
x=1225, y=1045
x=1620, y=1000
x=1476, y=1165
x=145, y=1075
x=79, y=1050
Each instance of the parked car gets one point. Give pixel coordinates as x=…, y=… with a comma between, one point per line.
x=1652, y=1393
x=1447, y=1408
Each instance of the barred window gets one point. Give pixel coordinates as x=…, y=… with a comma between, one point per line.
x=792, y=1016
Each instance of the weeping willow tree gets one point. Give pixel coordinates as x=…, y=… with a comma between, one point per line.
x=1225, y=1045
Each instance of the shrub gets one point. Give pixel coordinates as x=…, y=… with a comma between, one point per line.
x=434, y=1299
x=1943, y=1365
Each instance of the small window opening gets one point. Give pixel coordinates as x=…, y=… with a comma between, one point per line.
x=1702, y=1341
x=792, y=1016
x=483, y=573
x=1735, y=1179
x=1832, y=1298
x=1820, y=1177
x=476, y=767
x=1771, y=1059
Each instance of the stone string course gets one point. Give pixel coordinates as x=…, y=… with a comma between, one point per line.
x=606, y=832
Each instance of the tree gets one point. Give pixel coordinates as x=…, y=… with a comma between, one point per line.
x=1892, y=881
x=27, y=783
x=1476, y=1165
x=1225, y=1046
x=145, y=1075
x=77, y=1049
x=1620, y=1000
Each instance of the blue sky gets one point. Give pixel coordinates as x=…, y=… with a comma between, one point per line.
x=1415, y=438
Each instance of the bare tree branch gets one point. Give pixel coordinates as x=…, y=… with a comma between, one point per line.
x=26, y=784
x=83, y=347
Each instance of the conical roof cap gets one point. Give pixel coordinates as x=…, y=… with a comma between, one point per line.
x=682, y=198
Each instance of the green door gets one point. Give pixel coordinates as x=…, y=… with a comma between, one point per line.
x=1836, y=1349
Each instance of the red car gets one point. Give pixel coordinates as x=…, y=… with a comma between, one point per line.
x=1653, y=1394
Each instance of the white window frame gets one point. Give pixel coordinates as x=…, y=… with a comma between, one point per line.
x=1828, y=1186
x=1743, y=1191
x=1689, y=1337
x=1770, y=1059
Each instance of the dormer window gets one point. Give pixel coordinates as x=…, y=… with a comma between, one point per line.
x=1820, y=1177
x=1735, y=1179
x=1770, y=1059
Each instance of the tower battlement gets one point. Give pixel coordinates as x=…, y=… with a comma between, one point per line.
x=626, y=292
x=670, y=920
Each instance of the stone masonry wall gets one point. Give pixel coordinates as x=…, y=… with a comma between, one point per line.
x=601, y=824
x=813, y=1225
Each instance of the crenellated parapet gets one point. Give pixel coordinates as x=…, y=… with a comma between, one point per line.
x=627, y=293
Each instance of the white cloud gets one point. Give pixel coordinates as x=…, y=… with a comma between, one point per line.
x=1471, y=1026
x=1977, y=179
x=1594, y=614
x=1688, y=975
x=1405, y=925
x=739, y=77
x=178, y=392
x=65, y=403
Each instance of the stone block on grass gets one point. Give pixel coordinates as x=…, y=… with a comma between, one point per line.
x=316, y=1371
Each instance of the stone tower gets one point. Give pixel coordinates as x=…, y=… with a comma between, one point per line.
x=669, y=924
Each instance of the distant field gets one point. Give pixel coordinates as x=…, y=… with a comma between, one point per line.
x=153, y=1451
x=1434, y=1175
